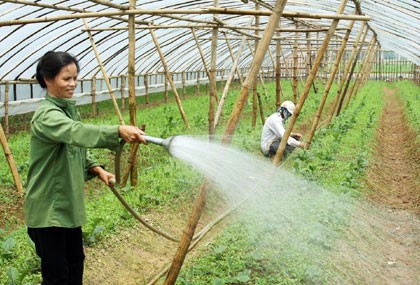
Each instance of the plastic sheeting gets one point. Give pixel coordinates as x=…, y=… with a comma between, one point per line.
x=396, y=24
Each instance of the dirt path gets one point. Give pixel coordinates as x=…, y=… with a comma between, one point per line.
x=394, y=176
x=394, y=181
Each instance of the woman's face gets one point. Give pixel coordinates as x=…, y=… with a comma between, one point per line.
x=64, y=83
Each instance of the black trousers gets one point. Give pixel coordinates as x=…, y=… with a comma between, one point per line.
x=61, y=253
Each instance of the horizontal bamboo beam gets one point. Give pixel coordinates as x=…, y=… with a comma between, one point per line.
x=209, y=10
x=289, y=14
x=211, y=26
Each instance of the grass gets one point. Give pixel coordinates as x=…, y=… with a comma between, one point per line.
x=342, y=150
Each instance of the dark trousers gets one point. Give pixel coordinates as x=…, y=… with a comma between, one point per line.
x=275, y=146
x=61, y=253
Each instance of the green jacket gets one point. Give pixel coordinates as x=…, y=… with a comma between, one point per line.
x=59, y=163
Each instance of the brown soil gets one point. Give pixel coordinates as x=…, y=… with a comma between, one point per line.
x=138, y=255
x=394, y=175
x=391, y=236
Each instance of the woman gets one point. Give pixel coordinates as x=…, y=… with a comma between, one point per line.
x=59, y=165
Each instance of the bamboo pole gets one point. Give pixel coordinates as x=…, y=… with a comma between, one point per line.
x=132, y=90
x=289, y=14
x=187, y=236
x=295, y=64
x=169, y=77
x=350, y=75
x=329, y=83
x=212, y=78
x=362, y=70
x=307, y=87
x=184, y=90
x=372, y=61
x=261, y=108
x=210, y=10
x=200, y=52
x=10, y=160
x=146, y=87
x=259, y=75
x=308, y=55
x=6, y=109
x=345, y=73
x=210, y=26
x=278, y=74
x=228, y=81
x=198, y=83
x=254, y=88
x=254, y=69
x=108, y=84
x=93, y=94
x=232, y=55
x=122, y=92
x=166, y=89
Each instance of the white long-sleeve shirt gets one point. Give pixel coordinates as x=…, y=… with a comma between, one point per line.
x=274, y=130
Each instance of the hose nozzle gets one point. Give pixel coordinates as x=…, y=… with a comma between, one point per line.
x=159, y=141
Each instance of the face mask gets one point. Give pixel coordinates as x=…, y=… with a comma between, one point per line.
x=285, y=113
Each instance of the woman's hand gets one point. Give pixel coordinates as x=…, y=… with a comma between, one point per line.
x=104, y=175
x=132, y=134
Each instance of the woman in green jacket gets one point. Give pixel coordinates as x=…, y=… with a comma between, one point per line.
x=59, y=165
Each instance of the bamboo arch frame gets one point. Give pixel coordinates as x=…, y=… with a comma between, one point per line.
x=249, y=82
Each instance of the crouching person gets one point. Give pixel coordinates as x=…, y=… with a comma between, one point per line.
x=273, y=132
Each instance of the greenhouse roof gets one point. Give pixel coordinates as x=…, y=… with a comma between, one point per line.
x=30, y=28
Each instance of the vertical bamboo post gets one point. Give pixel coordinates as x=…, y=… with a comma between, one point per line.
x=295, y=67
x=10, y=160
x=93, y=92
x=329, y=83
x=307, y=87
x=308, y=54
x=184, y=88
x=169, y=77
x=254, y=69
x=198, y=83
x=212, y=78
x=278, y=72
x=132, y=88
x=260, y=72
x=254, y=88
x=324, y=65
x=166, y=88
x=146, y=87
x=6, y=108
x=106, y=78
x=122, y=92
x=345, y=73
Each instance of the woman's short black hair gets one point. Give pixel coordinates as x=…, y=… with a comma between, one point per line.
x=51, y=63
